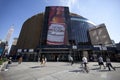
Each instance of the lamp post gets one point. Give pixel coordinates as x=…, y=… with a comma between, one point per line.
x=101, y=49
x=74, y=48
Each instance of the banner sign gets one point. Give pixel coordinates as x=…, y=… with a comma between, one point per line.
x=56, y=26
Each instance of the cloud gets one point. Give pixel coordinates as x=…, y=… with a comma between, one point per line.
x=72, y=4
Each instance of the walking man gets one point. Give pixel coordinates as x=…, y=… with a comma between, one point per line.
x=100, y=62
x=71, y=59
x=84, y=62
x=108, y=64
x=20, y=60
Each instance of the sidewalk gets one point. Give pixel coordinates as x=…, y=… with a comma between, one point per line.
x=58, y=71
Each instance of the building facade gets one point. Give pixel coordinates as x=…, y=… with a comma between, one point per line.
x=57, y=33
x=100, y=38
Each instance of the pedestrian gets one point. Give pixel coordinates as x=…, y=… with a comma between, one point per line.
x=71, y=60
x=10, y=60
x=57, y=59
x=101, y=62
x=43, y=61
x=84, y=64
x=20, y=60
x=38, y=59
x=108, y=64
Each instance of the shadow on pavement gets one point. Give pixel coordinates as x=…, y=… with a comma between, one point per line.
x=95, y=65
x=104, y=70
x=76, y=71
x=117, y=67
x=13, y=65
x=95, y=68
x=35, y=67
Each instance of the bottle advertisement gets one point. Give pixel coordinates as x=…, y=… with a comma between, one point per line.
x=56, y=26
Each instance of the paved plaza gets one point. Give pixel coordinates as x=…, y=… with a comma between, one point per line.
x=58, y=71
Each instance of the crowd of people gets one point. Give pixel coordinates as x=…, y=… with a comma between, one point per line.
x=101, y=63
x=106, y=64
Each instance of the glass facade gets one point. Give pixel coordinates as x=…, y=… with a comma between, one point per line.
x=79, y=30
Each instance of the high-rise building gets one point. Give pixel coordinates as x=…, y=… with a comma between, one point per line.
x=8, y=36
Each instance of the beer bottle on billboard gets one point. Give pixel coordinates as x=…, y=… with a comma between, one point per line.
x=56, y=31
x=59, y=16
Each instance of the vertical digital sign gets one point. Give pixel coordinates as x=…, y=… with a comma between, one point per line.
x=56, y=34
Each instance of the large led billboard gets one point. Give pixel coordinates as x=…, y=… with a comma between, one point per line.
x=56, y=34
x=99, y=35
x=56, y=26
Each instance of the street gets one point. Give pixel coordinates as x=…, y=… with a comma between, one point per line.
x=58, y=71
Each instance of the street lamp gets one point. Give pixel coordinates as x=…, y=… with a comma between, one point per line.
x=74, y=48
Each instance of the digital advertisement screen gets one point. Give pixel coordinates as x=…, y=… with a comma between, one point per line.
x=56, y=26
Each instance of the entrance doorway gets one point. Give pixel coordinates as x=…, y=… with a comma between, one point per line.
x=55, y=56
